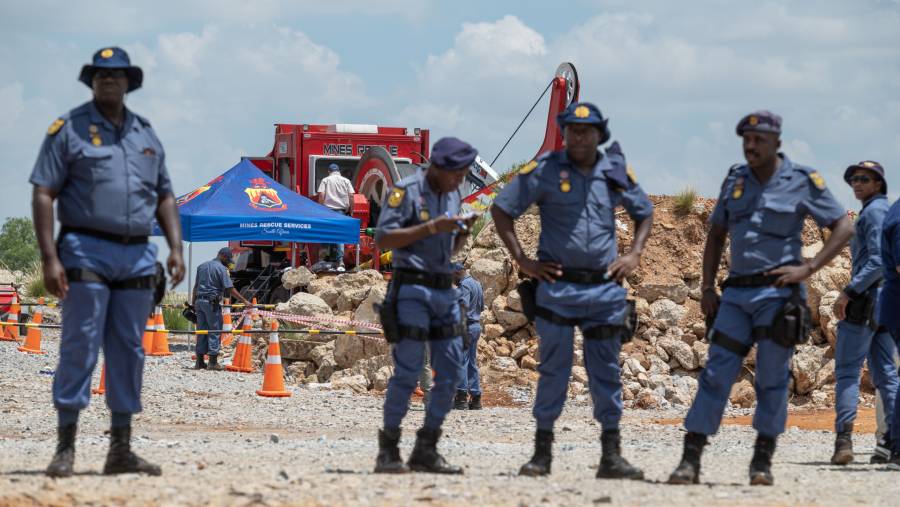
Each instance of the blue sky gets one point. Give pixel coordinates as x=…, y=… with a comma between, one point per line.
x=674, y=77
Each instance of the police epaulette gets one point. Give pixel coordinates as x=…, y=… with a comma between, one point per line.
x=144, y=121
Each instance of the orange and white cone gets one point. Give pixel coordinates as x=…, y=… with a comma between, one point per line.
x=11, y=332
x=149, y=332
x=241, y=360
x=161, y=336
x=101, y=389
x=227, y=325
x=254, y=311
x=32, y=343
x=273, y=376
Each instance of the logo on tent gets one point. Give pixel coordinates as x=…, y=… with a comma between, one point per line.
x=264, y=197
x=190, y=196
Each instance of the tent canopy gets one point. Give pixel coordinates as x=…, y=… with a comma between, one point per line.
x=244, y=204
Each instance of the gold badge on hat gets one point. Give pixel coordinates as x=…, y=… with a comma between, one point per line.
x=868, y=164
x=582, y=112
x=753, y=120
x=396, y=197
x=106, y=53
x=738, y=191
x=55, y=126
x=817, y=180
x=527, y=168
x=424, y=215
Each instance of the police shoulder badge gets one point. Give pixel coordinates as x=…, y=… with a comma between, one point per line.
x=424, y=215
x=817, y=180
x=630, y=171
x=396, y=197
x=738, y=190
x=527, y=168
x=55, y=126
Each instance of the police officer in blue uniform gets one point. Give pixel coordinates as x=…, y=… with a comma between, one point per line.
x=420, y=222
x=106, y=169
x=471, y=297
x=859, y=336
x=211, y=283
x=888, y=314
x=762, y=207
x=579, y=274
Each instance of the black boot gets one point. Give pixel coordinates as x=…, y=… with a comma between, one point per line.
x=882, y=453
x=461, y=402
x=388, y=460
x=425, y=458
x=200, y=364
x=688, y=471
x=543, y=455
x=475, y=402
x=894, y=462
x=843, y=447
x=61, y=464
x=761, y=464
x=612, y=464
x=121, y=460
x=214, y=363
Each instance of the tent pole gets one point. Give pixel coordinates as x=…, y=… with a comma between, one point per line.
x=190, y=287
x=357, y=255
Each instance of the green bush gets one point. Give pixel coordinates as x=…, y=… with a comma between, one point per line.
x=174, y=319
x=18, y=244
x=684, y=200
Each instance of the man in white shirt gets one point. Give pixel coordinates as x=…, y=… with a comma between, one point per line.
x=335, y=193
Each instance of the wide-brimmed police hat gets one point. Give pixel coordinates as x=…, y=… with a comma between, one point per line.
x=759, y=121
x=868, y=165
x=452, y=154
x=587, y=113
x=112, y=58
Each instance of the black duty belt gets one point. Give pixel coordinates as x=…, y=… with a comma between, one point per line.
x=115, y=238
x=431, y=280
x=209, y=299
x=433, y=333
x=84, y=275
x=758, y=280
x=588, y=276
x=601, y=332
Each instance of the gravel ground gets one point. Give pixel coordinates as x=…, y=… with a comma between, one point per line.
x=220, y=444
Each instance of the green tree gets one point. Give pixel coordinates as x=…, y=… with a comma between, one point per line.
x=18, y=245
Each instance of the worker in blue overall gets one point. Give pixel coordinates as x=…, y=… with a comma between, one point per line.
x=859, y=336
x=420, y=222
x=471, y=297
x=889, y=313
x=579, y=274
x=762, y=207
x=106, y=169
x=212, y=281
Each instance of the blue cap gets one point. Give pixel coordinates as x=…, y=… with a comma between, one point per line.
x=457, y=267
x=112, y=58
x=452, y=154
x=759, y=121
x=225, y=252
x=587, y=113
x=868, y=165
x=334, y=167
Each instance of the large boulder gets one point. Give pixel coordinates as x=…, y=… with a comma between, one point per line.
x=681, y=352
x=742, y=394
x=348, y=349
x=804, y=367
x=297, y=277
x=356, y=383
x=493, y=276
x=827, y=320
x=308, y=305
x=366, y=312
x=323, y=288
x=833, y=277
x=666, y=312
x=675, y=290
x=320, y=352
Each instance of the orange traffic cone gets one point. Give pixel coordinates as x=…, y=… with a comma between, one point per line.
x=242, y=359
x=11, y=332
x=101, y=389
x=161, y=336
x=255, y=311
x=32, y=343
x=273, y=376
x=149, y=331
x=227, y=325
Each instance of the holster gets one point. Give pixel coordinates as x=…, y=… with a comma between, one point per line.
x=793, y=323
x=861, y=310
x=387, y=314
x=467, y=339
x=527, y=290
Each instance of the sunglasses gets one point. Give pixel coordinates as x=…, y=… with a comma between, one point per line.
x=114, y=73
x=861, y=179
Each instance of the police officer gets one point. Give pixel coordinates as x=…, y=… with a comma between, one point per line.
x=106, y=167
x=420, y=222
x=859, y=335
x=579, y=274
x=212, y=281
x=762, y=206
x=471, y=297
x=889, y=317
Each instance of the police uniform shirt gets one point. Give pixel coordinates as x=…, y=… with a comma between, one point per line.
x=471, y=295
x=413, y=202
x=107, y=179
x=212, y=279
x=865, y=247
x=765, y=221
x=578, y=224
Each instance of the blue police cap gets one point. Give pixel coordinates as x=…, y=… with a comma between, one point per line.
x=457, y=267
x=759, y=121
x=453, y=154
x=112, y=58
x=225, y=252
x=585, y=112
x=334, y=167
x=868, y=165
